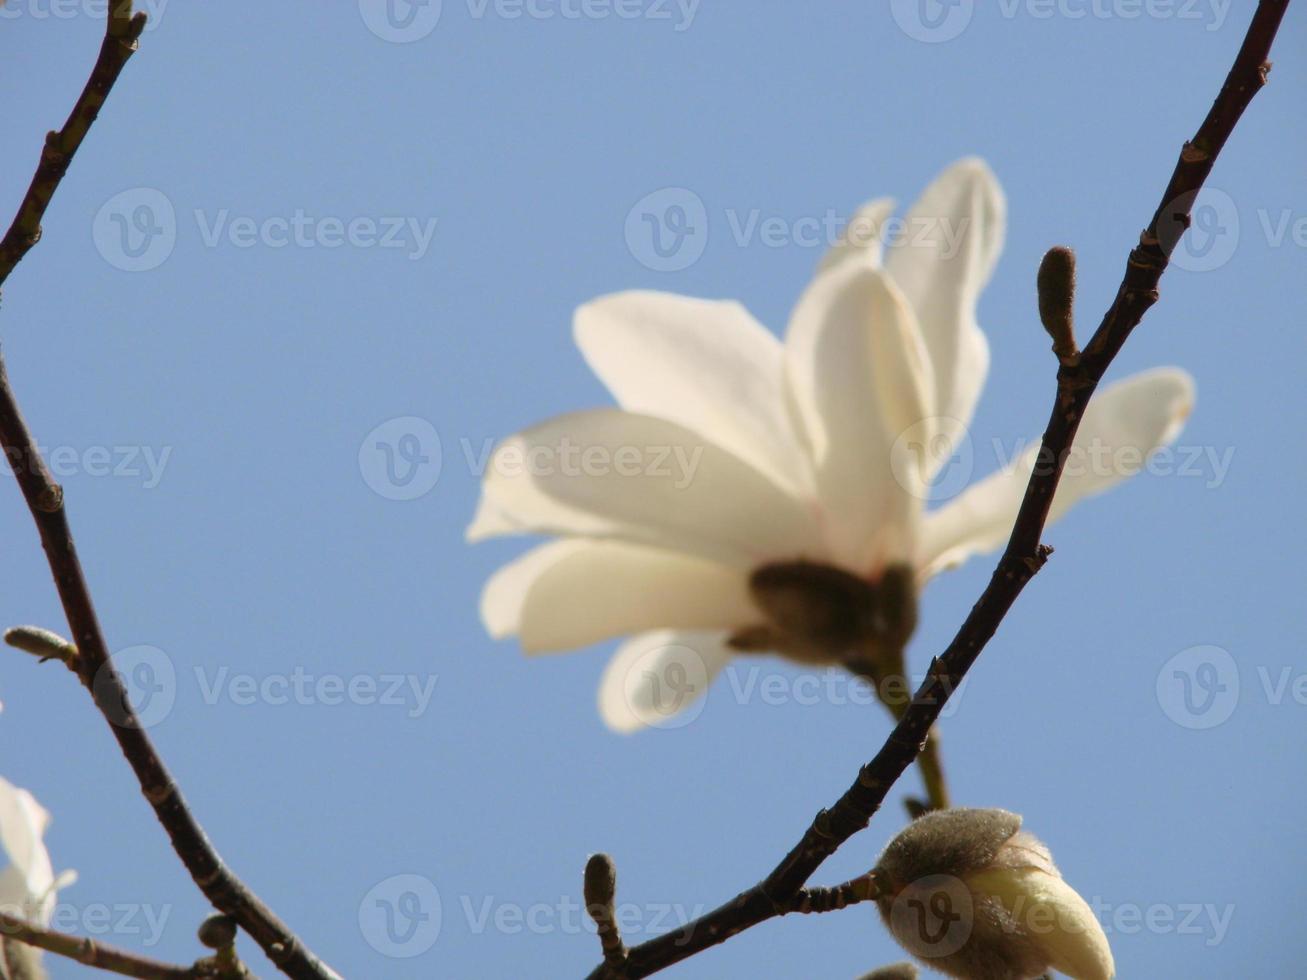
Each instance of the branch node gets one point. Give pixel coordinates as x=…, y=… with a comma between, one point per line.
x=51, y=498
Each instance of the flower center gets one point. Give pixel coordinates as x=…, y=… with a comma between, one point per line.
x=818, y=613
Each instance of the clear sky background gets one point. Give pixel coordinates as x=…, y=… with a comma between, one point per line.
x=263, y=548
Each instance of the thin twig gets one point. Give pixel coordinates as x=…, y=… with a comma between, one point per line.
x=88, y=952
x=122, y=30
x=864, y=888
x=45, y=500
x=227, y=892
x=1024, y=555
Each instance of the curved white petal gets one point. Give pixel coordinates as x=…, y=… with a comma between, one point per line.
x=657, y=679
x=1052, y=915
x=490, y=521
x=22, y=825
x=949, y=243
x=1123, y=425
x=14, y=896
x=861, y=238
x=613, y=474
x=570, y=594
x=705, y=364
x=859, y=379
x=505, y=591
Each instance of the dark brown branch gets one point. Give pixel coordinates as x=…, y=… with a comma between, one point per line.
x=45, y=500
x=93, y=666
x=120, y=42
x=1024, y=555
x=91, y=953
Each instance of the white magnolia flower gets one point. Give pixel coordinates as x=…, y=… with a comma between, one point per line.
x=974, y=896
x=28, y=884
x=756, y=494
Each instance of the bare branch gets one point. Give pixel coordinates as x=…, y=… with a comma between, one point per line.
x=88, y=952
x=120, y=42
x=1024, y=555
x=45, y=501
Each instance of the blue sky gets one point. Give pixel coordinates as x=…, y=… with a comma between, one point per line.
x=460, y=183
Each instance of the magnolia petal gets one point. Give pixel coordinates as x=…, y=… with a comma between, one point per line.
x=505, y=591
x=22, y=825
x=1052, y=915
x=490, y=521
x=570, y=594
x=13, y=891
x=1124, y=424
x=612, y=474
x=655, y=678
x=951, y=240
x=858, y=379
x=705, y=364
x=861, y=238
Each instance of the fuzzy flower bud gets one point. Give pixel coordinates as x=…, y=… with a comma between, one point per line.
x=973, y=896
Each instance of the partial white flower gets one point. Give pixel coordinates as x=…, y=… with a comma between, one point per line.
x=28, y=884
x=754, y=494
x=974, y=896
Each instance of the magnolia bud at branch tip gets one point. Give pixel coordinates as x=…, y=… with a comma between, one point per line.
x=1056, y=284
x=600, y=881
x=972, y=895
